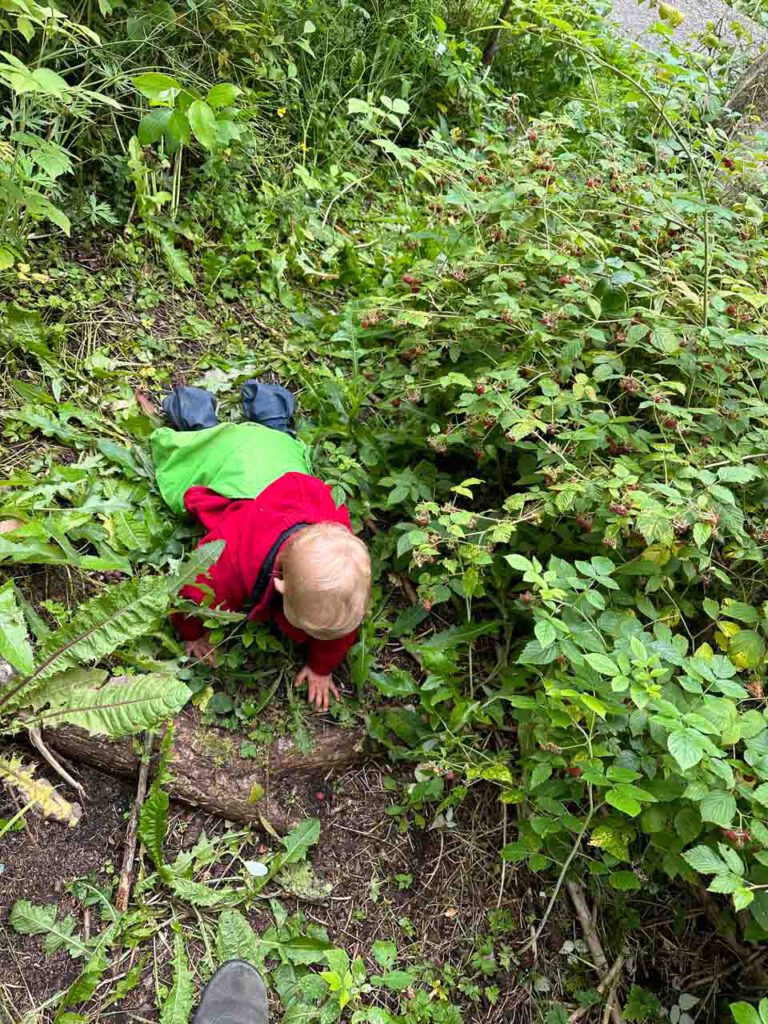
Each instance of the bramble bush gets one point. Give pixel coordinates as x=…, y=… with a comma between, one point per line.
x=529, y=336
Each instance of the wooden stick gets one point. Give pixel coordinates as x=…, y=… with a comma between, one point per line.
x=608, y=984
x=576, y=892
x=37, y=742
x=132, y=832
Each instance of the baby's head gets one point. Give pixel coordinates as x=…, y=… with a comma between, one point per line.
x=325, y=580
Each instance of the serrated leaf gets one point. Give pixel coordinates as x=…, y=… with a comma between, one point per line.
x=153, y=823
x=742, y=898
x=686, y=748
x=704, y=860
x=296, y=844
x=103, y=624
x=603, y=664
x=123, y=706
x=27, y=918
x=624, y=881
x=540, y=774
x=222, y=95
x=545, y=632
x=236, y=940
x=719, y=808
x=178, y=1006
x=14, y=641
x=198, y=894
x=198, y=563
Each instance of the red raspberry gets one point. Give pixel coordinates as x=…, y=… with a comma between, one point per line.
x=564, y=279
x=480, y=389
x=575, y=771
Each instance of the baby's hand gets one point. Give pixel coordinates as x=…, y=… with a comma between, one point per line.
x=319, y=688
x=202, y=649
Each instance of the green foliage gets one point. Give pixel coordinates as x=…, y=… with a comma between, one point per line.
x=178, y=1006
x=529, y=337
x=27, y=918
x=14, y=641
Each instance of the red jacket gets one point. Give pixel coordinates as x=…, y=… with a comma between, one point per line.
x=250, y=527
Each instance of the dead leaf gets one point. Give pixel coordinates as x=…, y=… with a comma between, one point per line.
x=38, y=792
x=451, y=912
x=8, y=525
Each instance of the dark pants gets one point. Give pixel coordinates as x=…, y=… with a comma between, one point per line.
x=195, y=408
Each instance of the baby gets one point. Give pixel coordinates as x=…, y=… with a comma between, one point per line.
x=290, y=555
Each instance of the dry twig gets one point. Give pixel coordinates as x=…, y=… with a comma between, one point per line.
x=131, y=833
x=576, y=892
x=37, y=742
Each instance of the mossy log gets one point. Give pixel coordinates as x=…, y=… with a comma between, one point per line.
x=208, y=772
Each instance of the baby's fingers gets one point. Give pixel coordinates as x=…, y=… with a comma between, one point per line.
x=335, y=691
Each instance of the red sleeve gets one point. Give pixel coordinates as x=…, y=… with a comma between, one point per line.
x=222, y=579
x=323, y=656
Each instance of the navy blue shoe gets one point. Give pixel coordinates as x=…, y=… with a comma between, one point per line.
x=234, y=995
x=190, y=408
x=269, y=404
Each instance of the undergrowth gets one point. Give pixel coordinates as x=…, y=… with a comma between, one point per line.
x=528, y=336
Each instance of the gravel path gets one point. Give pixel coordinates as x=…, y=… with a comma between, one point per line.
x=634, y=21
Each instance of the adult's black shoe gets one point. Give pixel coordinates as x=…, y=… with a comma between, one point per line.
x=234, y=995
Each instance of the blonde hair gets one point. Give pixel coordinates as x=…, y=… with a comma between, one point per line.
x=326, y=580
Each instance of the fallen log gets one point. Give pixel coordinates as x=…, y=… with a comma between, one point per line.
x=208, y=772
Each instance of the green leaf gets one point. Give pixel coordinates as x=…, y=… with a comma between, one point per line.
x=384, y=953
x=518, y=562
x=628, y=799
x=222, y=95
x=602, y=664
x=740, y=611
x=744, y=1013
x=123, y=706
x=153, y=823
x=176, y=260
x=154, y=125
x=761, y=794
x=236, y=940
x=545, y=632
x=297, y=843
x=199, y=895
x=624, y=881
x=704, y=860
x=26, y=918
x=178, y=1006
x=157, y=87
x=719, y=808
x=396, y=981
x=540, y=774
x=103, y=624
x=14, y=641
x=746, y=649
x=686, y=748
x=202, y=121
x=742, y=898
